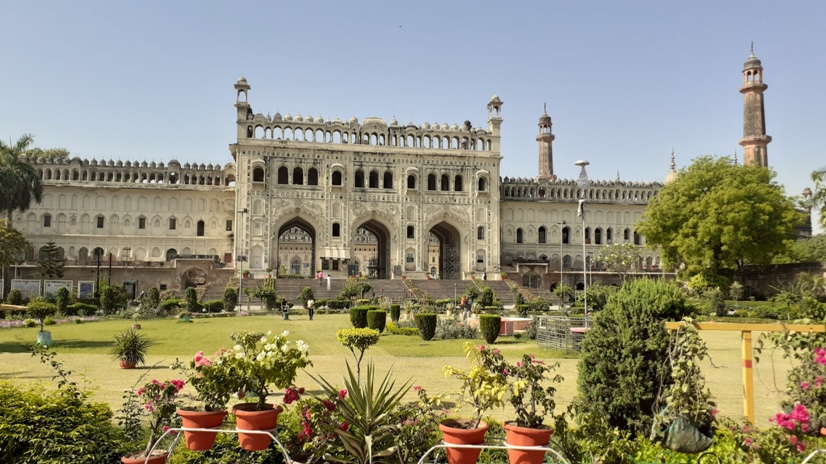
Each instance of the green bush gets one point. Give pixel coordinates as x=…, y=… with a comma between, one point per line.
x=489, y=326
x=449, y=329
x=62, y=300
x=306, y=294
x=49, y=321
x=191, y=298
x=624, y=356
x=15, y=297
x=334, y=304
x=358, y=316
x=376, y=319
x=426, y=323
x=152, y=299
x=487, y=297
x=213, y=306
x=491, y=309
x=171, y=305
x=741, y=313
x=395, y=312
x=522, y=310
x=396, y=330
x=111, y=298
x=30, y=323
x=363, y=301
x=531, y=329
x=40, y=425
x=80, y=309
x=230, y=299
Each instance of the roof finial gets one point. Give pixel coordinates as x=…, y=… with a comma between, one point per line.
x=545, y=107
x=735, y=157
x=752, y=48
x=673, y=164
x=618, y=176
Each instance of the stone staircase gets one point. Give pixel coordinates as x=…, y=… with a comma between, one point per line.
x=290, y=288
x=502, y=290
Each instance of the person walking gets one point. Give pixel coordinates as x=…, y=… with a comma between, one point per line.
x=310, y=310
x=329, y=281
x=320, y=278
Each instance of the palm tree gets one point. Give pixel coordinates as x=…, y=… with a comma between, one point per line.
x=19, y=180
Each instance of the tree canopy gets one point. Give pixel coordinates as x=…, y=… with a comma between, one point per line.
x=619, y=257
x=805, y=250
x=819, y=195
x=13, y=245
x=19, y=182
x=718, y=216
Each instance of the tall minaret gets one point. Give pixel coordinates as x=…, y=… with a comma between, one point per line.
x=754, y=141
x=546, y=149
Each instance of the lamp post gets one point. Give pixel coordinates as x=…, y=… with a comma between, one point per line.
x=560, y=250
x=583, y=183
x=239, y=241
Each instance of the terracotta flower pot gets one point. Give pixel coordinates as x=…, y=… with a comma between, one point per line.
x=201, y=441
x=158, y=457
x=455, y=432
x=124, y=364
x=524, y=436
x=247, y=418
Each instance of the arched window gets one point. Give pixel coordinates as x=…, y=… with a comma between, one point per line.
x=258, y=174
x=609, y=235
x=171, y=254
x=519, y=237
x=283, y=175
x=483, y=184
x=626, y=235
x=566, y=235
x=431, y=182
x=542, y=236
x=336, y=229
x=637, y=239
x=445, y=183
x=457, y=184
x=388, y=180
x=598, y=236
x=374, y=179
x=359, y=179
x=200, y=229
x=587, y=235
x=298, y=176
x=411, y=232
x=411, y=182
x=312, y=176
x=336, y=178
x=480, y=233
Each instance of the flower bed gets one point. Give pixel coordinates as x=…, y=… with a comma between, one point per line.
x=15, y=323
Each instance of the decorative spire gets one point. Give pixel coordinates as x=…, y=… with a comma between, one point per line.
x=545, y=108
x=673, y=164
x=618, y=176
x=752, y=48
x=735, y=157
x=672, y=174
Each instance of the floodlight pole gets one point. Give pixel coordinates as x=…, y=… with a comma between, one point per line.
x=583, y=183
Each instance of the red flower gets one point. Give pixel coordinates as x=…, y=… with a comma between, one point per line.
x=344, y=426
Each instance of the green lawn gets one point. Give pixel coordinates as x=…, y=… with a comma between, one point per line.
x=84, y=348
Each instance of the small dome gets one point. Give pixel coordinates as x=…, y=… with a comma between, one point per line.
x=374, y=121
x=495, y=99
x=120, y=164
x=128, y=164
x=186, y=165
x=426, y=125
x=144, y=164
x=354, y=120
x=241, y=80
x=466, y=124
x=174, y=162
x=545, y=120
x=209, y=167
x=309, y=118
x=110, y=163
x=160, y=164
x=394, y=123
x=298, y=118
x=153, y=165
x=671, y=177
x=752, y=63
x=337, y=120
x=454, y=127
x=445, y=127
x=277, y=117
x=94, y=162
x=288, y=117
x=319, y=120
x=202, y=167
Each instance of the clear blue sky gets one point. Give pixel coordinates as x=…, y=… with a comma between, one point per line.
x=624, y=81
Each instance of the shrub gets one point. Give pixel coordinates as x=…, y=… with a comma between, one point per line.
x=395, y=312
x=718, y=305
x=624, y=355
x=426, y=322
x=49, y=321
x=213, y=306
x=15, y=297
x=396, y=330
x=489, y=326
x=531, y=330
x=230, y=299
x=449, y=329
x=741, y=313
x=363, y=301
x=306, y=294
x=191, y=298
x=487, y=297
x=522, y=310
x=337, y=304
x=491, y=309
x=40, y=309
x=152, y=299
x=62, y=300
x=30, y=323
x=376, y=319
x=171, y=305
x=358, y=316
x=80, y=309
x=111, y=298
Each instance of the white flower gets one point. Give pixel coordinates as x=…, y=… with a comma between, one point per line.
x=302, y=347
x=263, y=339
x=285, y=333
x=269, y=347
x=260, y=356
x=269, y=332
x=237, y=348
x=239, y=355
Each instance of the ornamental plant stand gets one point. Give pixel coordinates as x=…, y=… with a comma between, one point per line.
x=435, y=449
x=269, y=434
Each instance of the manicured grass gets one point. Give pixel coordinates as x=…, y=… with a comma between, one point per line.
x=84, y=348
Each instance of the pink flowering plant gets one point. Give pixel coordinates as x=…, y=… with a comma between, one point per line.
x=213, y=379
x=160, y=401
x=312, y=433
x=806, y=391
x=417, y=426
x=532, y=391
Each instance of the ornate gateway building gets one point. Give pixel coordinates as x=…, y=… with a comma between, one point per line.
x=306, y=194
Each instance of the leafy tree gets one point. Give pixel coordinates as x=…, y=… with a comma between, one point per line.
x=55, y=153
x=230, y=299
x=191, y=297
x=805, y=250
x=20, y=181
x=50, y=263
x=565, y=292
x=13, y=245
x=619, y=258
x=354, y=288
x=63, y=299
x=819, y=195
x=718, y=216
x=623, y=363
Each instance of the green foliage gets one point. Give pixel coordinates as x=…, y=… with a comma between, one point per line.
x=718, y=305
x=471, y=291
x=40, y=309
x=171, y=305
x=598, y=295
x=306, y=294
x=532, y=329
x=354, y=288
x=191, y=299
x=131, y=346
x=619, y=257
x=20, y=180
x=49, y=321
x=358, y=339
x=564, y=292
x=819, y=195
x=265, y=293
x=111, y=298
x=395, y=312
x=376, y=319
x=213, y=306
x=482, y=388
x=805, y=250
x=30, y=323
x=367, y=409
x=152, y=298
x=522, y=310
x=532, y=392
x=15, y=297
x=623, y=363
x=487, y=297
x=230, y=299
x=62, y=300
x=489, y=326
x=718, y=216
x=735, y=291
x=13, y=244
x=358, y=316
x=418, y=426
x=426, y=323
x=49, y=262
x=450, y=329
x=395, y=330
x=80, y=309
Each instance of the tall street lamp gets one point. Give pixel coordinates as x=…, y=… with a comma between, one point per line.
x=583, y=183
x=239, y=242
x=560, y=250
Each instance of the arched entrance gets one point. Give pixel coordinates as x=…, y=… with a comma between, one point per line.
x=370, y=245
x=450, y=257
x=193, y=277
x=295, y=248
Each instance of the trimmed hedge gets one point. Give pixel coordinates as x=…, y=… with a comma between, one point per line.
x=213, y=306
x=376, y=319
x=426, y=322
x=172, y=304
x=358, y=316
x=332, y=304
x=395, y=312
x=395, y=330
x=522, y=310
x=81, y=309
x=489, y=325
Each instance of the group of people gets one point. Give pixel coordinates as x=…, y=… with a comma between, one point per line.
x=320, y=278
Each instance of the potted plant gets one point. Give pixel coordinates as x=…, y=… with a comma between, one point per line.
x=130, y=348
x=533, y=399
x=40, y=309
x=246, y=273
x=258, y=363
x=159, y=403
x=214, y=382
x=483, y=388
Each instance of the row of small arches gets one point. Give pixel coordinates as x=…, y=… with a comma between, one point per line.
x=370, y=138
x=574, y=193
x=85, y=255
x=600, y=236
x=139, y=177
